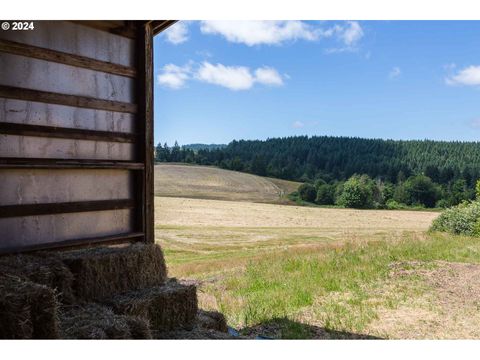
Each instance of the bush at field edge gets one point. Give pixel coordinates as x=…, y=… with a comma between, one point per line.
x=463, y=219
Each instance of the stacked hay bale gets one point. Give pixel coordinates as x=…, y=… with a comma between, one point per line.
x=168, y=307
x=101, y=273
x=27, y=310
x=42, y=268
x=94, y=321
x=98, y=293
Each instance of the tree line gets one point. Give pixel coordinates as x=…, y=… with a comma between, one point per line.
x=449, y=170
x=363, y=192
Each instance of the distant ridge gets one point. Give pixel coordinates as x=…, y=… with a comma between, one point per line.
x=301, y=158
x=198, y=146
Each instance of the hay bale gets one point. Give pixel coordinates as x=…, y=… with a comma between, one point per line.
x=212, y=320
x=43, y=268
x=94, y=321
x=15, y=320
x=139, y=327
x=27, y=310
x=101, y=273
x=167, y=307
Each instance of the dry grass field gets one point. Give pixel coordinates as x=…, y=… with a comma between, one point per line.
x=306, y=272
x=204, y=182
x=212, y=235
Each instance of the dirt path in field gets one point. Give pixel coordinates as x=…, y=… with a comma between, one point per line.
x=448, y=310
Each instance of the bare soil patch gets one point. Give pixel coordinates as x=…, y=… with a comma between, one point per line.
x=447, y=310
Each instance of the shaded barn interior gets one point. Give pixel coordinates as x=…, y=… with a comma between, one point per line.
x=76, y=137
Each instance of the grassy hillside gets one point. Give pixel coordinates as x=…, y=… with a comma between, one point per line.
x=203, y=182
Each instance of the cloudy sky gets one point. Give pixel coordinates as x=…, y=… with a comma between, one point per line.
x=216, y=81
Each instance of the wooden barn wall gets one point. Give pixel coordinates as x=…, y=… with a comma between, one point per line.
x=75, y=134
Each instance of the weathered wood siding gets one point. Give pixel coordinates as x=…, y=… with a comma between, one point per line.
x=76, y=137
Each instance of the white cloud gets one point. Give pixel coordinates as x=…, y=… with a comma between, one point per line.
x=231, y=77
x=177, y=33
x=298, y=124
x=394, y=73
x=268, y=76
x=174, y=76
x=277, y=32
x=351, y=33
x=469, y=76
x=260, y=32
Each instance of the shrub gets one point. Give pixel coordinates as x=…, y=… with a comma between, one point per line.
x=419, y=189
x=477, y=189
x=442, y=204
x=393, y=205
x=387, y=191
x=319, y=182
x=462, y=219
x=358, y=192
x=325, y=195
x=476, y=229
x=307, y=192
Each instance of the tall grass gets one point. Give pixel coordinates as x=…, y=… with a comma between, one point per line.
x=339, y=286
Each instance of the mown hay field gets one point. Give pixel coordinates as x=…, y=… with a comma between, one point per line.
x=206, y=182
x=204, y=236
x=306, y=272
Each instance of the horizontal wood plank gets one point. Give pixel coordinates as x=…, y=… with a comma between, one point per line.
x=64, y=133
x=10, y=92
x=7, y=211
x=16, y=48
x=121, y=28
x=77, y=243
x=43, y=163
x=161, y=25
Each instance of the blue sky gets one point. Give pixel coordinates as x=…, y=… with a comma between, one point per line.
x=219, y=81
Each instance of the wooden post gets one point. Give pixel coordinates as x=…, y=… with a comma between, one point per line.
x=144, y=186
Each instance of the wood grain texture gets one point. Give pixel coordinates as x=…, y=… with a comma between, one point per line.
x=37, y=113
x=63, y=208
x=77, y=243
x=109, y=71
x=64, y=185
x=71, y=38
x=31, y=73
x=11, y=92
x=22, y=146
x=158, y=26
x=119, y=27
x=41, y=53
x=145, y=216
x=43, y=163
x=65, y=133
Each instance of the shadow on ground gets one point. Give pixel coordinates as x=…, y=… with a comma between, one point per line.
x=283, y=328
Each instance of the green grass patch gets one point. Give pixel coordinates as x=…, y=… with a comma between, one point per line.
x=342, y=289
